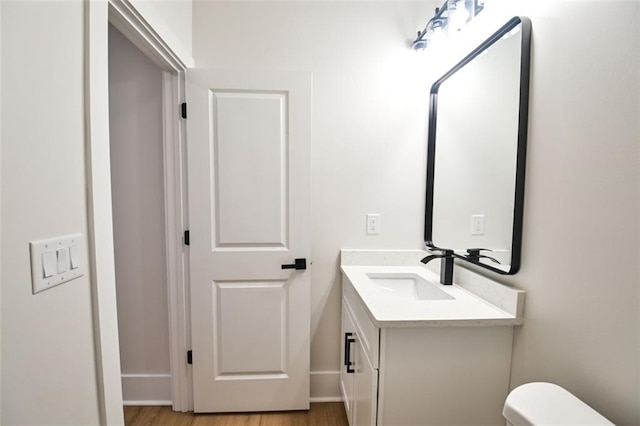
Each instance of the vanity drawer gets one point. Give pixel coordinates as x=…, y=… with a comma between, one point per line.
x=369, y=333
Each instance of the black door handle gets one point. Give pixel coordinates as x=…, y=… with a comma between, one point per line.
x=301, y=264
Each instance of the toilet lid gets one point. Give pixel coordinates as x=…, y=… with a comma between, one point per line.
x=535, y=404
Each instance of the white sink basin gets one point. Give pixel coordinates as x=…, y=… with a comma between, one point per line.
x=409, y=286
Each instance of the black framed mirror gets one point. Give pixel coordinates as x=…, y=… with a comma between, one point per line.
x=478, y=116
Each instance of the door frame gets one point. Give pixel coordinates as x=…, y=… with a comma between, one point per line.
x=122, y=15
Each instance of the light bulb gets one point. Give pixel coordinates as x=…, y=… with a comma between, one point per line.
x=437, y=37
x=435, y=33
x=458, y=15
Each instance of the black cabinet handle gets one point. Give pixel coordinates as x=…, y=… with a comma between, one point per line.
x=347, y=336
x=301, y=264
x=348, y=340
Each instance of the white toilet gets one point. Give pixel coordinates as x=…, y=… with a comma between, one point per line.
x=536, y=404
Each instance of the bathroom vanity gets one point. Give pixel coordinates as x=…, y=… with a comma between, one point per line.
x=419, y=353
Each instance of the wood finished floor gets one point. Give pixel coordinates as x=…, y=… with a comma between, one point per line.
x=321, y=414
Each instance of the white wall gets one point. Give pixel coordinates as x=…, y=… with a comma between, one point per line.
x=369, y=141
x=581, y=248
x=48, y=367
x=581, y=240
x=48, y=360
x=171, y=19
x=581, y=235
x=135, y=128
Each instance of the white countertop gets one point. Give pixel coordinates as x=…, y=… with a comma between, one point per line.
x=387, y=310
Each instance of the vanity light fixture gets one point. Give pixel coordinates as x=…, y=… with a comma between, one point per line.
x=451, y=17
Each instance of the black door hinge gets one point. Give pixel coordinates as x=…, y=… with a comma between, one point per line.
x=186, y=238
x=183, y=110
x=190, y=357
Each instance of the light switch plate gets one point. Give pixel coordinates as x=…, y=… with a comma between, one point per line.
x=55, y=246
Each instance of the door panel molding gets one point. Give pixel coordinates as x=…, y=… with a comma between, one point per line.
x=258, y=313
x=234, y=157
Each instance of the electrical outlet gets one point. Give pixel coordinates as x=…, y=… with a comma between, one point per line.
x=373, y=224
x=477, y=224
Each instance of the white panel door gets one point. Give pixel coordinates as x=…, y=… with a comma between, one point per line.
x=249, y=213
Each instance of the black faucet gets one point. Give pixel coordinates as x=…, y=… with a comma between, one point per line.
x=446, y=264
x=473, y=255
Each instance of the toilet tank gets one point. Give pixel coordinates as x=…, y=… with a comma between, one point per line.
x=539, y=403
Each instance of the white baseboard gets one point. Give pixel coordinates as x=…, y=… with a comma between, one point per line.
x=327, y=399
x=325, y=386
x=147, y=403
x=146, y=389
x=155, y=389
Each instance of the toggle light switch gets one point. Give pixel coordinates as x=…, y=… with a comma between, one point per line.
x=48, y=264
x=63, y=260
x=74, y=256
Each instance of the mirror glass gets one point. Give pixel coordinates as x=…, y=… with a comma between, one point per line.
x=476, y=152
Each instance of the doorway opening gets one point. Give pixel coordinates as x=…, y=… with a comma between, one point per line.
x=137, y=193
x=123, y=17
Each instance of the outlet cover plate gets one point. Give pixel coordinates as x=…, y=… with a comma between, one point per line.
x=373, y=224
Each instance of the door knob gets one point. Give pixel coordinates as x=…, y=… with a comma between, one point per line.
x=300, y=264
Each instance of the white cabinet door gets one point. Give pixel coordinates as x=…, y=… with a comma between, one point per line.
x=347, y=369
x=366, y=389
x=358, y=377
x=249, y=213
